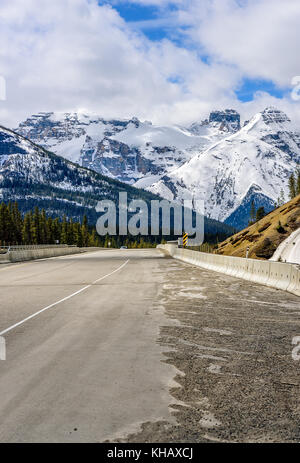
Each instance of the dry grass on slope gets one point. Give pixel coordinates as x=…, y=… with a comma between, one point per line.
x=265, y=235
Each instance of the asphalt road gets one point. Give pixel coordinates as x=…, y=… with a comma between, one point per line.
x=128, y=345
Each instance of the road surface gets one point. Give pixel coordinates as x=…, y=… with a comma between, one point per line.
x=127, y=345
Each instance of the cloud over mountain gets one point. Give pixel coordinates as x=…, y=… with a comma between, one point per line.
x=70, y=55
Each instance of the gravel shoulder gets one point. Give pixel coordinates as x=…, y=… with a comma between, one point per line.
x=231, y=342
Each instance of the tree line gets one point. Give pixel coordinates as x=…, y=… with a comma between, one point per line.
x=35, y=227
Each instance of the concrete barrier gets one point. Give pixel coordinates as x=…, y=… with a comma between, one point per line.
x=277, y=275
x=23, y=255
x=260, y=272
x=4, y=258
x=280, y=275
x=294, y=286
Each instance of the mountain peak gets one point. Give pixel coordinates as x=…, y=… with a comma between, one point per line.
x=272, y=114
x=227, y=118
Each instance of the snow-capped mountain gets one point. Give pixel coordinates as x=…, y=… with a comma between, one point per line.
x=215, y=159
x=252, y=164
x=128, y=150
x=227, y=121
x=33, y=176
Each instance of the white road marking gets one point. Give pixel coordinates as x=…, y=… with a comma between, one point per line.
x=61, y=300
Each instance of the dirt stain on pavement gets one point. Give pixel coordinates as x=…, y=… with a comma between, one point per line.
x=232, y=344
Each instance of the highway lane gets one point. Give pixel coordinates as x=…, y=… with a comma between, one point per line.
x=146, y=348
x=88, y=367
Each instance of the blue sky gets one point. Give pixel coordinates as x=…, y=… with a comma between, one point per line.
x=169, y=61
x=132, y=12
x=149, y=20
x=248, y=87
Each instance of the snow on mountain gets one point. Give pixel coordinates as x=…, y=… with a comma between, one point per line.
x=215, y=159
x=225, y=121
x=251, y=164
x=35, y=177
x=128, y=150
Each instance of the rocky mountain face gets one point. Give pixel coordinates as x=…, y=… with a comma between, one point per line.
x=252, y=164
x=33, y=176
x=227, y=121
x=217, y=160
x=128, y=150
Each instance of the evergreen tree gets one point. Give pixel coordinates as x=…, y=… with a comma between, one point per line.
x=93, y=238
x=49, y=231
x=56, y=230
x=64, y=231
x=18, y=223
x=260, y=213
x=298, y=181
x=3, y=224
x=43, y=227
x=36, y=225
x=77, y=234
x=26, y=229
x=36, y=228
x=252, y=212
x=106, y=241
x=33, y=229
x=292, y=186
x=84, y=231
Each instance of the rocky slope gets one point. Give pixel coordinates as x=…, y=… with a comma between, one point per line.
x=217, y=160
x=252, y=164
x=34, y=176
x=128, y=150
x=264, y=237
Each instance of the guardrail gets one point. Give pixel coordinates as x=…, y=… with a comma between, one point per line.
x=31, y=252
x=26, y=247
x=274, y=274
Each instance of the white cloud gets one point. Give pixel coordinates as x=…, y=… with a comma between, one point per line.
x=63, y=55
x=261, y=37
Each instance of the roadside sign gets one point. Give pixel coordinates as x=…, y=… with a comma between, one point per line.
x=184, y=239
